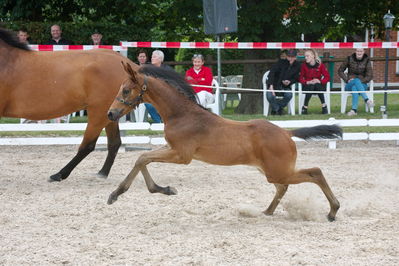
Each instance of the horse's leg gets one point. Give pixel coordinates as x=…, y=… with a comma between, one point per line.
x=164, y=155
x=86, y=147
x=280, y=191
x=113, y=143
x=153, y=187
x=315, y=175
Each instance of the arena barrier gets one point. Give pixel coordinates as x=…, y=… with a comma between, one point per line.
x=50, y=48
x=364, y=136
x=261, y=45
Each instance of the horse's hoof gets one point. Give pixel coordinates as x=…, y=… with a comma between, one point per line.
x=55, y=178
x=330, y=218
x=170, y=191
x=112, y=198
x=100, y=175
x=267, y=213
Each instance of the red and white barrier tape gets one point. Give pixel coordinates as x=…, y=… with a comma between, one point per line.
x=43, y=47
x=303, y=91
x=262, y=45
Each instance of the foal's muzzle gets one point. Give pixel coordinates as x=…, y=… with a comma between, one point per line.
x=114, y=114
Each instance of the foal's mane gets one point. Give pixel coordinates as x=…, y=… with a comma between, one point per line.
x=11, y=39
x=172, y=78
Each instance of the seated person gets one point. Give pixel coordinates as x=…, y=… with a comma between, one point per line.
x=142, y=58
x=23, y=35
x=96, y=38
x=201, y=75
x=156, y=60
x=281, y=76
x=56, y=36
x=360, y=72
x=313, y=77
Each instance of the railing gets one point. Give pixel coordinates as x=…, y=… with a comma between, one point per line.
x=160, y=140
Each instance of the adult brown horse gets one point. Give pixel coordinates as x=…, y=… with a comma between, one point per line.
x=194, y=133
x=45, y=85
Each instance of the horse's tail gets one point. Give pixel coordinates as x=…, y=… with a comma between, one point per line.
x=318, y=132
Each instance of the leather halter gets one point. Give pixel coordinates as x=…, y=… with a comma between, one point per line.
x=139, y=99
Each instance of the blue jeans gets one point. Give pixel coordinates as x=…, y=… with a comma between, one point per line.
x=276, y=103
x=153, y=113
x=357, y=86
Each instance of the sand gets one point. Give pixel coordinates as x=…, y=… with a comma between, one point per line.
x=216, y=218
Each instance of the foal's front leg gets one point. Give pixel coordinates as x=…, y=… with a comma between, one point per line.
x=165, y=156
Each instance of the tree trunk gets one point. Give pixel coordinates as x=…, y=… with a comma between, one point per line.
x=252, y=103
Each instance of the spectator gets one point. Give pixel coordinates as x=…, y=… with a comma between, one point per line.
x=96, y=38
x=201, y=75
x=314, y=77
x=157, y=60
x=360, y=72
x=56, y=37
x=281, y=76
x=142, y=58
x=23, y=35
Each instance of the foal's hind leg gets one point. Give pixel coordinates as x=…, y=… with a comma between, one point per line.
x=280, y=191
x=153, y=187
x=165, y=156
x=113, y=144
x=315, y=175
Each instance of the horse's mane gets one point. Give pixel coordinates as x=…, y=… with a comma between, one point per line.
x=172, y=78
x=11, y=39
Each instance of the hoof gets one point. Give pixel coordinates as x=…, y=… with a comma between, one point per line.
x=268, y=213
x=100, y=175
x=55, y=178
x=330, y=218
x=170, y=191
x=112, y=198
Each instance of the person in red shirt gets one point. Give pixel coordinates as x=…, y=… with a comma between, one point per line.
x=313, y=77
x=201, y=75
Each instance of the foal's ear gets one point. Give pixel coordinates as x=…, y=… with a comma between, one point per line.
x=128, y=68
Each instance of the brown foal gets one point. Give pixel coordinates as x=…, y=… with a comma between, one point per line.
x=195, y=133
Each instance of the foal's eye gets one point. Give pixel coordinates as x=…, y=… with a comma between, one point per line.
x=126, y=92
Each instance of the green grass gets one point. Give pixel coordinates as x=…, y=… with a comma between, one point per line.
x=228, y=112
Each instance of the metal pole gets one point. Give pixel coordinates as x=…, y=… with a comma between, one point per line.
x=219, y=62
x=385, y=114
x=219, y=74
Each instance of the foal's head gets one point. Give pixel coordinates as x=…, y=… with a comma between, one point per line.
x=130, y=94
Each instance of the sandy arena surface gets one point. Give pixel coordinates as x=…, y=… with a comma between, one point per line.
x=216, y=218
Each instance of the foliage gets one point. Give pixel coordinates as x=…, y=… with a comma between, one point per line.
x=78, y=33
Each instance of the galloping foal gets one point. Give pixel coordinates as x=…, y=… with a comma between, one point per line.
x=194, y=133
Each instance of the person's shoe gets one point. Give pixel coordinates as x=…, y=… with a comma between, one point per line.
x=273, y=112
x=280, y=111
x=324, y=110
x=370, y=103
x=304, y=110
x=351, y=113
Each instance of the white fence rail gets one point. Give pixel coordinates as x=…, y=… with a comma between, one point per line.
x=160, y=127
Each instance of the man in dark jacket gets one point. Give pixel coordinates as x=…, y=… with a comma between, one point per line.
x=56, y=38
x=281, y=76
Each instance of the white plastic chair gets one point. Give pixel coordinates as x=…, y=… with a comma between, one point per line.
x=266, y=104
x=345, y=94
x=232, y=81
x=215, y=107
x=301, y=97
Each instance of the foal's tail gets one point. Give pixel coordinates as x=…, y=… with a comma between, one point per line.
x=318, y=132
